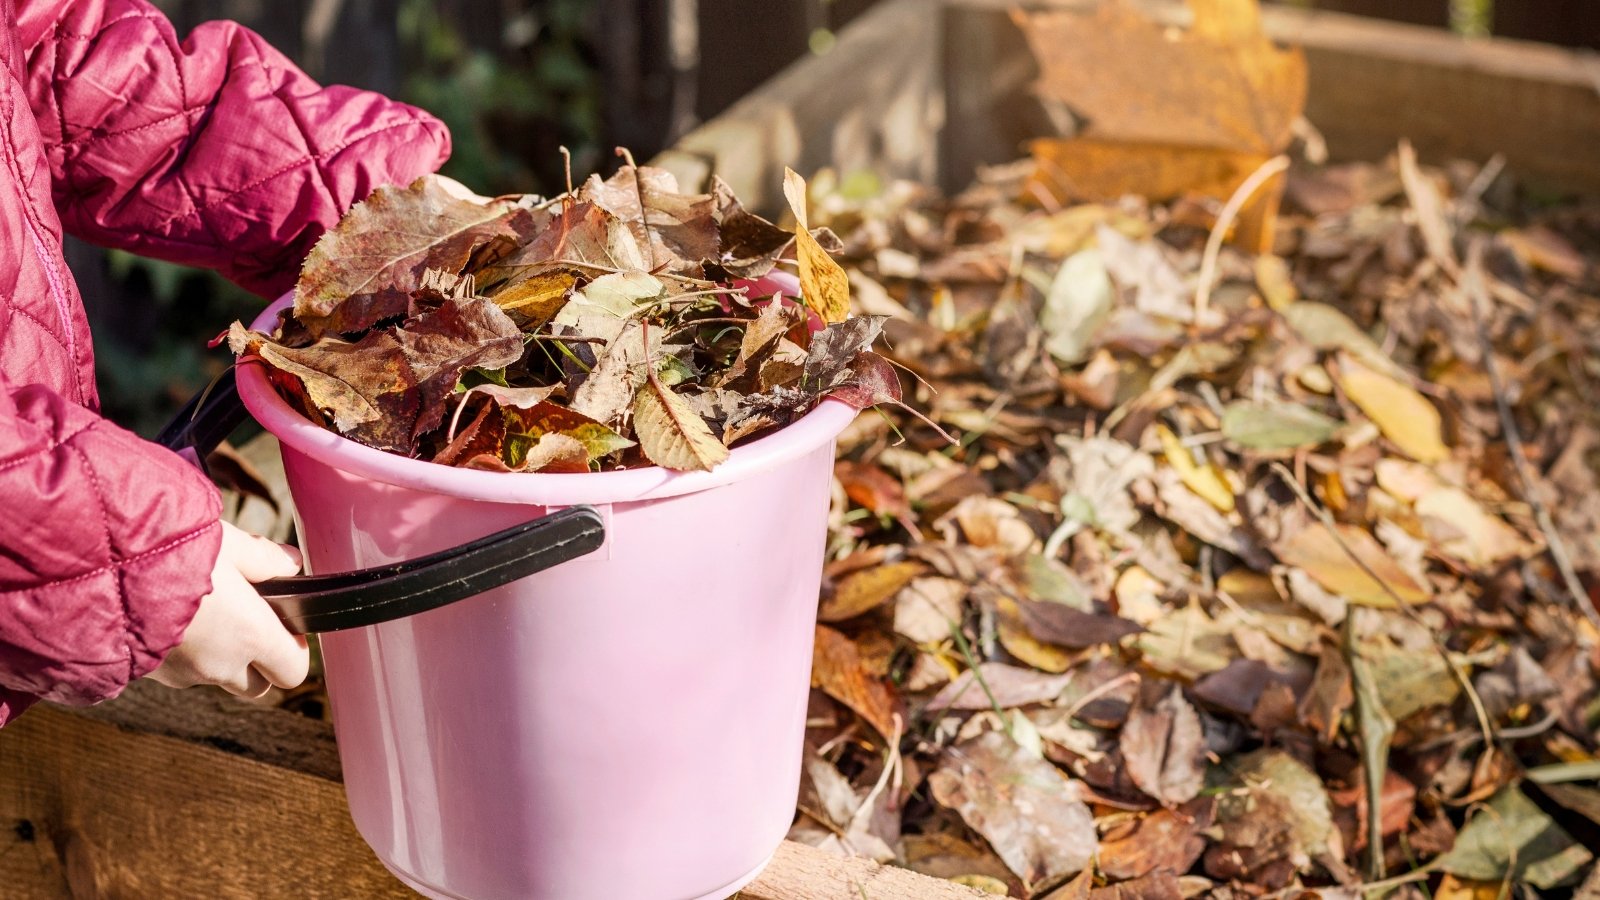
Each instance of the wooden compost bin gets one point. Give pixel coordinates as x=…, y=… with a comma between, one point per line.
x=192, y=794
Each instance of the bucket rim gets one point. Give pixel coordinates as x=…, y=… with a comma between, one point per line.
x=799, y=438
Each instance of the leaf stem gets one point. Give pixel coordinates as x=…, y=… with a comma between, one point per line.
x=972, y=666
x=1230, y=211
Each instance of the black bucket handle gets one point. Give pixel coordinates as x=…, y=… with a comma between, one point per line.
x=321, y=603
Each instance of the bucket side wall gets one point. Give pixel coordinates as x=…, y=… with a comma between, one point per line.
x=625, y=724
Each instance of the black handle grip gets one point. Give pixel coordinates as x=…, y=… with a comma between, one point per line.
x=308, y=603
x=208, y=418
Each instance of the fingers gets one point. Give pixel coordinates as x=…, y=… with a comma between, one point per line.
x=257, y=558
x=235, y=641
x=285, y=660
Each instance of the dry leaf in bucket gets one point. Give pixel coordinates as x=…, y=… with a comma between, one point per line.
x=426, y=325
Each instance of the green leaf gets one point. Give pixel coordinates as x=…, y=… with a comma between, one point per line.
x=1079, y=300
x=1276, y=426
x=1514, y=839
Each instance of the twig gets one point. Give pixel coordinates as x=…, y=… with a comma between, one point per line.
x=1472, y=282
x=638, y=190
x=1230, y=210
x=891, y=771
x=972, y=666
x=1377, y=731
x=1097, y=692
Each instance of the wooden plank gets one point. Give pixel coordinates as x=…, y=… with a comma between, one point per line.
x=799, y=872
x=91, y=810
x=164, y=793
x=875, y=101
x=1373, y=83
x=221, y=721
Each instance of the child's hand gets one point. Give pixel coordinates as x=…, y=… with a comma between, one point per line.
x=235, y=640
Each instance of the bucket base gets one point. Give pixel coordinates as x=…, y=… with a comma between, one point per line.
x=438, y=893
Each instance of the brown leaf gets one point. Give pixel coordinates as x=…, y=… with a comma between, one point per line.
x=1010, y=686
x=835, y=348
x=838, y=669
x=1165, y=750
x=1187, y=643
x=1059, y=624
x=1170, y=839
x=671, y=434
x=1275, y=825
x=388, y=240
x=869, y=381
x=871, y=487
x=607, y=393
x=392, y=386
x=761, y=338
x=1026, y=809
x=1238, y=687
x=1084, y=168
x=1162, y=885
x=1330, y=696
x=927, y=609
x=749, y=245
x=1397, y=799
x=676, y=228
x=1020, y=642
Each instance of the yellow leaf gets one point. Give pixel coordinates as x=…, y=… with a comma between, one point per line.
x=1187, y=643
x=1138, y=596
x=823, y=283
x=1453, y=888
x=1273, y=278
x=1404, y=416
x=1247, y=587
x=1207, y=480
x=537, y=298
x=1317, y=551
x=671, y=433
x=861, y=591
x=1460, y=527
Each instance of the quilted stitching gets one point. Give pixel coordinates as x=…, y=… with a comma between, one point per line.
x=213, y=152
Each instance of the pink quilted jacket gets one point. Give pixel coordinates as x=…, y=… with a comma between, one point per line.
x=214, y=151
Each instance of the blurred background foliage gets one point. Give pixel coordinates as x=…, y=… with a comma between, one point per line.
x=516, y=80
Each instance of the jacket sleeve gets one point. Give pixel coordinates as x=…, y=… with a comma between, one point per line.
x=214, y=151
x=107, y=543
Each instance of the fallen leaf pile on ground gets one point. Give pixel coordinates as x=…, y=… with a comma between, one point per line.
x=619, y=325
x=1218, y=559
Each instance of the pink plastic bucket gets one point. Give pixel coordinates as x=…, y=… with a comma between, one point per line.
x=626, y=724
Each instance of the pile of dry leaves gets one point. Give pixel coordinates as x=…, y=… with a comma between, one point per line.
x=623, y=324
x=1232, y=542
